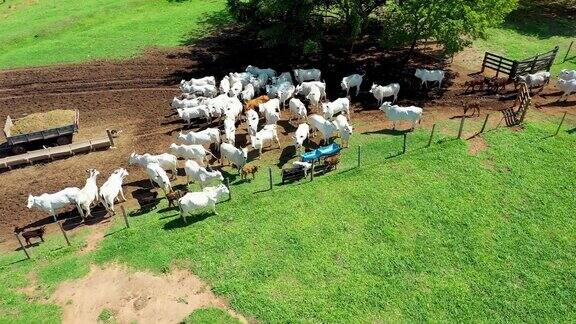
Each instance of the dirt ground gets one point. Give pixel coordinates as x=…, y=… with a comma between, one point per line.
x=132, y=296
x=133, y=96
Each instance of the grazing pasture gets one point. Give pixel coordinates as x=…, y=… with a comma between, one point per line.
x=50, y=32
x=436, y=233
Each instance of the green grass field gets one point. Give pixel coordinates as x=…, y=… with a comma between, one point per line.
x=435, y=234
x=49, y=32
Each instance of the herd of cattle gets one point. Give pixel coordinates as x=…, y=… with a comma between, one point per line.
x=258, y=97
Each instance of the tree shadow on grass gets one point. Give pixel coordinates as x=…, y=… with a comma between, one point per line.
x=542, y=22
x=190, y=220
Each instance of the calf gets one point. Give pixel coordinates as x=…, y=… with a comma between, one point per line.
x=474, y=105
x=248, y=169
x=476, y=81
x=174, y=196
x=28, y=234
x=497, y=84
x=381, y=92
x=332, y=162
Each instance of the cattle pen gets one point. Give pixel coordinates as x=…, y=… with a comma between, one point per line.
x=514, y=68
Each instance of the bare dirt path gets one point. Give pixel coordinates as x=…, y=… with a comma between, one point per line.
x=135, y=296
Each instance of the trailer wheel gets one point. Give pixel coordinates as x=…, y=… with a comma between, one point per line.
x=18, y=149
x=63, y=140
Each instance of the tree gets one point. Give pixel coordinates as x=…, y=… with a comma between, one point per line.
x=296, y=23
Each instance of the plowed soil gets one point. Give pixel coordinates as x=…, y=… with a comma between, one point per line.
x=133, y=96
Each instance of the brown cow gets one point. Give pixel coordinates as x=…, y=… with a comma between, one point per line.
x=474, y=105
x=248, y=169
x=174, y=196
x=253, y=104
x=27, y=235
x=332, y=162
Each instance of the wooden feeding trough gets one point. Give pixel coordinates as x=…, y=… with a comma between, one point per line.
x=58, y=152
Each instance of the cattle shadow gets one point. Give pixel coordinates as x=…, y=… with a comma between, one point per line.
x=190, y=220
x=286, y=155
x=387, y=131
x=147, y=201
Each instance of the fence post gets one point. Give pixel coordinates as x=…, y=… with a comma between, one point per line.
x=228, y=186
x=358, y=156
x=561, y=122
x=22, y=246
x=404, y=144
x=484, y=125
x=568, y=51
x=461, y=126
x=270, y=176
x=124, y=215
x=63, y=232
x=312, y=171
x=110, y=137
x=431, y=135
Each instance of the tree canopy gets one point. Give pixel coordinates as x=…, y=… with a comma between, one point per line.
x=302, y=23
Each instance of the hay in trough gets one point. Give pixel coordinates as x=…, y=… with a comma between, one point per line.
x=42, y=121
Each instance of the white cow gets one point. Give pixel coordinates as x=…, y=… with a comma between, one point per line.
x=230, y=131
x=303, y=75
x=314, y=96
x=266, y=134
x=191, y=152
x=430, y=76
x=208, y=90
x=252, y=119
x=202, y=81
x=188, y=114
x=381, y=92
x=397, y=113
x=235, y=89
x=344, y=129
x=165, y=160
x=204, y=137
x=197, y=200
x=236, y=156
x=88, y=194
x=567, y=74
x=270, y=110
x=247, y=93
x=286, y=93
x=282, y=78
x=270, y=73
x=194, y=172
x=319, y=123
x=187, y=103
x=224, y=85
x=305, y=88
x=298, y=109
x=112, y=188
x=352, y=81
x=158, y=176
x=535, y=80
x=217, y=105
x=50, y=203
x=243, y=77
x=567, y=87
x=339, y=105
x=233, y=108
x=301, y=135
